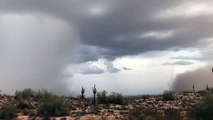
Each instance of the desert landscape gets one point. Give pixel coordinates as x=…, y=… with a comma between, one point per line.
x=25, y=105
x=106, y=59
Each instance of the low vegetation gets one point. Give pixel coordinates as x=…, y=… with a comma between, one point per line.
x=8, y=111
x=139, y=113
x=113, y=98
x=161, y=107
x=145, y=96
x=168, y=95
x=24, y=98
x=48, y=103
x=52, y=105
x=172, y=114
x=204, y=110
x=25, y=94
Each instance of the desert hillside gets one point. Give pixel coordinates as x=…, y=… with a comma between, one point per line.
x=170, y=106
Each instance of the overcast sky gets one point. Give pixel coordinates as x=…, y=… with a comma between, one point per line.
x=127, y=46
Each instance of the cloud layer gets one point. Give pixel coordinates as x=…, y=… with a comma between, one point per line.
x=179, y=63
x=40, y=39
x=128, y=27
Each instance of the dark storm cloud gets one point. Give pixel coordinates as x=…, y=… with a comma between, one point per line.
x=105, y=29
x=119, y=26
x=179, y=63
x=88, y=53
x=120, y=30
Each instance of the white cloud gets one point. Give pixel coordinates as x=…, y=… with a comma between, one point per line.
x=83, y=68
x=91, y=70
x=192, y=9
x=178, y=63
x=158, y=34
x=126, y=68
x=97, y=10
x=110, y=67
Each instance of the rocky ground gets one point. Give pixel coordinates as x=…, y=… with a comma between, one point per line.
x=135, y=108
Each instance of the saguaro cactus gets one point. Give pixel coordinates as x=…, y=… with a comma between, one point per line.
x=193, y=87
x=212, y=70
x=94, y=92
x=207, y=87
x=82, y=92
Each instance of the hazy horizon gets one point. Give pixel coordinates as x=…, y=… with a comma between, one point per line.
x=129, y=46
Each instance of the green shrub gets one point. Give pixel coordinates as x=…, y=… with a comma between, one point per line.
x=173, y=114
x=211, y=90
x=8, y=111
x=145, y=96
x=204, y=110
x=23, y=100
x=113, y=98
x=23, y=104
x=139, y=113
x=136, y=114
x=153, y=114
x=102, y=97
x=24, y=94
x=168, y=95
x=116, y=98
x=52, y=105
